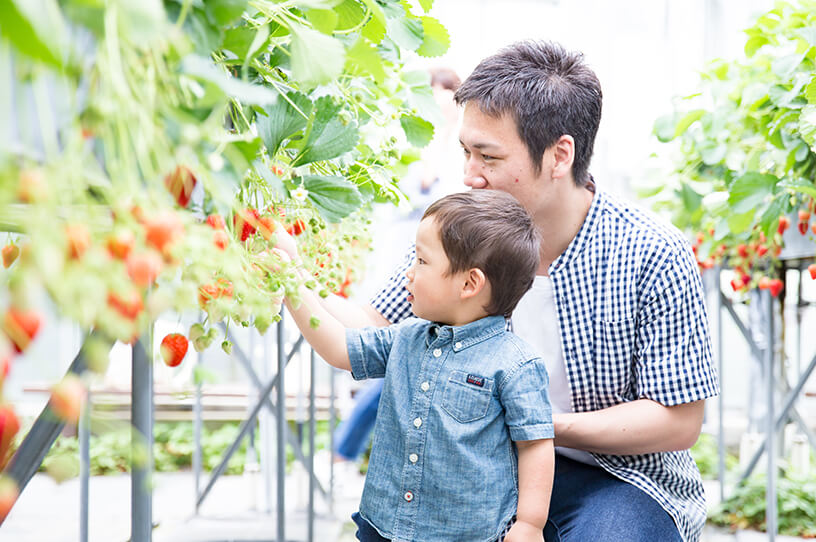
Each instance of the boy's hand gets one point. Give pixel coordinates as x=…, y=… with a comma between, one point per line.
x=521, y=531
x=286, y=242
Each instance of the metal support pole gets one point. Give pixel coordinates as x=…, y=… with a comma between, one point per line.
x=770, y=491
x=197, y=427
x=142, y=418
x=84, y=466
x=312, y=431
x=720, y=400
x=281, y=428
x=332, y=424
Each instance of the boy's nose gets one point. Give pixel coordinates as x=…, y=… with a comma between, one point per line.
x=409, y=274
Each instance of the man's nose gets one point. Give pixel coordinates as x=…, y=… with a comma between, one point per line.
x=473, y=174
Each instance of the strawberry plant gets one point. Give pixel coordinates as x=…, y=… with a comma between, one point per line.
x=744, y=162
x=166, y=141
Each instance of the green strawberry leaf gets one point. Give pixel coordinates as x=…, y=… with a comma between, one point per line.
x=426, y=5
x=435, y=38
x=35, y=28
x=203, y=68
x=406, y=32
x=749, y=191
x=328, y=137
x=350, y=14
x=316, y=57
x=363, y=59
x=224, y=12
x=285, y=117
x=324, y=20
x=418, y=131
x=334, y=197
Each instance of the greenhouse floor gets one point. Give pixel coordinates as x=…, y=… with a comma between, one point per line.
x=47, y=512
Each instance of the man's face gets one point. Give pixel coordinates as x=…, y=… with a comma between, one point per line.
x=496, y=157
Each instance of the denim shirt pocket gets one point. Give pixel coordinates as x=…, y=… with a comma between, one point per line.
x=467, y=396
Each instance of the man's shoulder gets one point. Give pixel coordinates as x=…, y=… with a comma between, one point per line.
x=632, y=222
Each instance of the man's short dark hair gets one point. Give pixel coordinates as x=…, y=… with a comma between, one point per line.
x=548, y=90
x=490, y=230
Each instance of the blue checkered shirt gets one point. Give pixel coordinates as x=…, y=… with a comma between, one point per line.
x=633, y=325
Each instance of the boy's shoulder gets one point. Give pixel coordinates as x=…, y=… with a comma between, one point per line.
x=515, y=350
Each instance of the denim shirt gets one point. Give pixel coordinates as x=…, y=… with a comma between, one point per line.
x=443, y=466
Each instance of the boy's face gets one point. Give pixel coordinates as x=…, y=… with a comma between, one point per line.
x=433, y=293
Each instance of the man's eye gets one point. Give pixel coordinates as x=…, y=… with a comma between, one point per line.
x=467, y=152
x=487, y=157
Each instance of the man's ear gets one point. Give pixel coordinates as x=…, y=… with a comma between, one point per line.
x=475, y=282
x=563, y=157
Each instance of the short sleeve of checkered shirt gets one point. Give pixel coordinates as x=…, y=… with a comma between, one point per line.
x=674, y=365
x=392, y=300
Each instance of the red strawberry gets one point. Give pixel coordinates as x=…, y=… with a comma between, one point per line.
x=775, y=286
x=813, y=227
x=804, y=216
x=8, y=495
x=296, y=228
x=742, y=250
x=216, y=222
x=144, y=267
x=276, y=170
x=221, y=239
x=5, y=366
x=173, y=349
x=812, y=269
x=764, y=283
x=129, y=307
x=784, y=223
x=761, y=250
x=162, y=231
x=266, y=225
x=120, y=243
x=10, y=253
x=737, y=284
x=181, y=183
x=803, y=228
x=245, y=223
x=9, y=427
x=21, y=327
x=67, y=397
x=79, y=239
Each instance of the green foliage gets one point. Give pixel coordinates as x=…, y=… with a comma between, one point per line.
x=173, y=446
x=796, y=506
x=747, y=137
x=705, y=453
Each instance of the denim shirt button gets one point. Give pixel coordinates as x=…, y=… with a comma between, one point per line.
x=437, y=353
x=425, y=386
x=413, y=458
x=458, y=345
x=417, y=422
x=408, y=496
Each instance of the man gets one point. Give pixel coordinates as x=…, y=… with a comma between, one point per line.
x=617, y=306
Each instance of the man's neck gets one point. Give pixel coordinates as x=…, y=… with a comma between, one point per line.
x=561, y=222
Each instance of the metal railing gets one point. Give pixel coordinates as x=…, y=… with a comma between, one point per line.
x=45, y=430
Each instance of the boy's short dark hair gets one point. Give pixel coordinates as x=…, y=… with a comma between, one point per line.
x=489, y=230
x=548, y=90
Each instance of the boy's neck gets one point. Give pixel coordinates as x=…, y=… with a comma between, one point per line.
x=467, y=316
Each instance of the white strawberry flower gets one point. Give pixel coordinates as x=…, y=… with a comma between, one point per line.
x=300, y=193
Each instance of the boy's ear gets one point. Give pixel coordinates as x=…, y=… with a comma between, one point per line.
x=475, y=281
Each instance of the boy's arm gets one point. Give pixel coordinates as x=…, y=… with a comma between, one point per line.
x=329, y=337
x=536, y=465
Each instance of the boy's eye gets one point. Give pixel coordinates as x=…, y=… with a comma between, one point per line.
x=420, y=261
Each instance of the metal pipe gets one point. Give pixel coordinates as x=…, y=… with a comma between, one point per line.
x=197, y=429
x=281, y=427
x=141, y=519
x=84, y=466
x=770, y=491
x=720, y=400
x=312, y=431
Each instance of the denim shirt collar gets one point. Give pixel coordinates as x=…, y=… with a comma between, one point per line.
x=468, y=334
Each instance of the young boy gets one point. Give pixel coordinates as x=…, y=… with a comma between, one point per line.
x=460, y=390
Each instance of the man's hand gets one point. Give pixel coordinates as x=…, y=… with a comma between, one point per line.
x=521, y=531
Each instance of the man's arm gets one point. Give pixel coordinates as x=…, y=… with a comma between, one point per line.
x=536, y=465
x=638, y=427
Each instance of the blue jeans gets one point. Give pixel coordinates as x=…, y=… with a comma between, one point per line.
x=588, y=503
x=352, y=436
